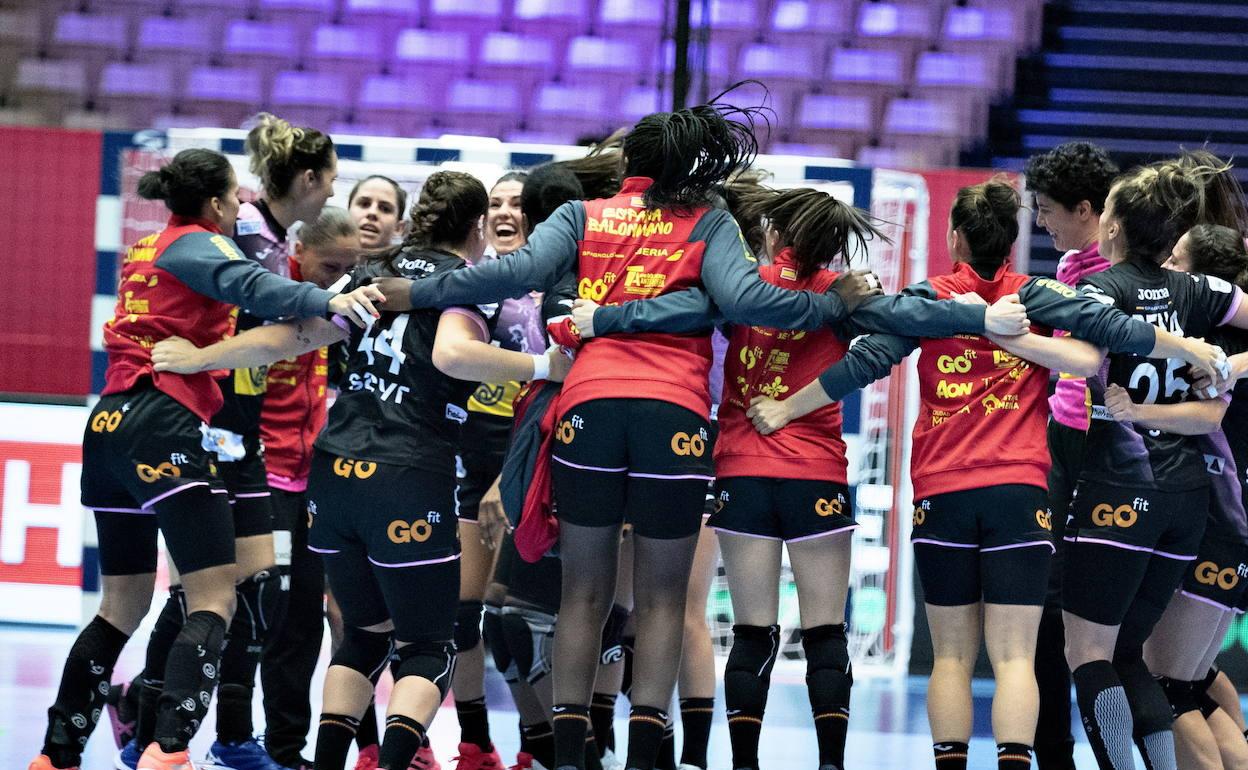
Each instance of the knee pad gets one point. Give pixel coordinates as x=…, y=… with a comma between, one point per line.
x=1200, y=691
x=1179, y=694
x=261, y=600
x=468, y=625
x=612, y=650
x=747, y=675
x=434, y=661
x=529, y=634
x=829, y=674
x=364, y=651
x=492, y=631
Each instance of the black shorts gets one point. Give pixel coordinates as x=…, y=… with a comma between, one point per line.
x=539, y=583
x=144, y=470
x=781, y=509
x=482, y=447
x=1219, y=573
x=1127, y=540
x=632, y=460
x=247, y=482
x=1066, y=453
x=991, y=543
x=390, y=540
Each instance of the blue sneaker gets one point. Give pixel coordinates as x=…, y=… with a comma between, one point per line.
x=128, y=757
x=245, y=755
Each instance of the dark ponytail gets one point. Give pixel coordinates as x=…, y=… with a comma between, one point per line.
x=986, y=215
x=188, y=181
x=548, y=187
x=691, y=152
x=1157, y=203
x=1218, y=251
x=815, y=225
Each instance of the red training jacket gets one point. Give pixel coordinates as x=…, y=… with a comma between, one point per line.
x=982, y=418
x=629, y=252
x=152, y=304
x=293, y=413
x=778, y=363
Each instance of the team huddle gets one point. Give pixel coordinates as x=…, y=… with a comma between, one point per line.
x=560, y=400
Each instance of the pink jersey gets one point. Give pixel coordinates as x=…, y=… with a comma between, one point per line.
x=1069, y=403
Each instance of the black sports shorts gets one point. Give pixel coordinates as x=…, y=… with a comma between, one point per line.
x=781, y=509
x=247, y=482
x=390, y=540
x=144, y=470
x=991, y=543
x=632, y=460
x=538, y=583
x=482, y=448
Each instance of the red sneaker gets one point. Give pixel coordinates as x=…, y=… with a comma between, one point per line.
x=424, y=760
x=42, y=762
x=367, y=760
x=524, y=761
x=471, y=757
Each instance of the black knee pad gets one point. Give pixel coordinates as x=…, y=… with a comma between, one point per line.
x=434, y=661
x=492, y=631
x=612, y=650
x=829, y=674
x=529, y=634
x=748, y=672
x=364, y=651
x=261, y=600
x=1200, y=691
x=468, y=625
x=1179, y=694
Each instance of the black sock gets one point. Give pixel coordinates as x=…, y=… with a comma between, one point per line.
x=829, y=678
x=367, y=735
x=404, y=736
x=1105, y=713
x=1013, y=756
x=83, y=692
x=570, y=724
x=539, y=741
x=474, y=723
x=593, y=756
x=190, y=677
x=747, y=677
x=950, y=755
x=629, y=645
x=646, y=726
x=667, y=749
x=695, y=722
x=152, y=679
x=333, y=739
x=260, y=599
x=602, y=717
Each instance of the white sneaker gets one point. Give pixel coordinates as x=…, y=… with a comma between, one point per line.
x=611, y=762
x=690, y=767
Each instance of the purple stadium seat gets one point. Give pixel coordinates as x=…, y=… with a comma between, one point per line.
x=20, y=35
x=226, y=8
x=968, y=79
x=845, y=120
x=640, y=102
x=620, y=56
x=50, y=87
x=303, y=13
x=994, y=31
x=268, y=45
x=578, y=109
x=732, y=21
x=630, y=16
x=910, y=25
x=387, y=12
x=935, y=127
x=483, y=107
x=875, y=72
x=230, y=93
x=311, y=98
x=398, y=101
x=94, y=38
x=781, y=102
x=470, y=16
x=779, y=64
x=179, y=41
x=134, y=91
x=428, y=52
x=812, y=21
x=522, y=58
x=355, y=51
x=554, y=18
x=719, y=59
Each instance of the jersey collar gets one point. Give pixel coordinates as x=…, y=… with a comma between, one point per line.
x=967, y=273
x=179, y=221
x=635, y=185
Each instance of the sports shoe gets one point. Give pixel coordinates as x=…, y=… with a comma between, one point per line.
x=611, y=762
x=122, y=713
x=244, y=755
x=525, y=761
x=155, y=759
x=368, y=757
x=128, y=757
x=42, y=762
x=471, y=757
x=425, y=760
x=695, y=767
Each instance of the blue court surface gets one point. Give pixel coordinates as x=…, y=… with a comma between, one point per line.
x=888, y=725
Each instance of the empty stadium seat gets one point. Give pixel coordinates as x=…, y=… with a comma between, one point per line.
x=523, y=58
x=779, y=64
x=640, y=102
x=20, y=35
x=232, y=93
x=269, y=46
x=731, y=21
x=908, y=25
x=311, y=98
x=402, y=102
x=93, y=38
x=719, y=64
x=483, y=107
x=178, y=41
x=553, y=18
x=616, y=56
x=936, y=127
x=432, y=52
x=639, y=17
x=50, y=86
x=969, y=79
x=135, y=91
x=576, y=109
x=399, y=13
x=812, y=21
x=475, y=17
x=303, y=13
x=846, y=120
x=355, y=51
x=874, y=72
x=236, y=9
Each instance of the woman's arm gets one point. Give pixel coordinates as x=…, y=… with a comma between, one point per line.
x=462, y=350
x=770, y=415
x=254, y=347
x=1065, y=354
x=1189, y=418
